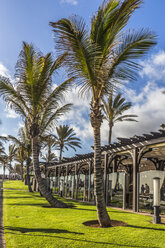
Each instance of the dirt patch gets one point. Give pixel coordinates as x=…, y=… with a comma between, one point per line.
x=114, y=223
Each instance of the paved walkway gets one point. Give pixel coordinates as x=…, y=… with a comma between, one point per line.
x=2, y=234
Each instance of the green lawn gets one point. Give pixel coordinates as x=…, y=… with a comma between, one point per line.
x=29, y=222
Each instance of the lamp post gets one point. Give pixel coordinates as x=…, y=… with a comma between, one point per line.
x=156, y=200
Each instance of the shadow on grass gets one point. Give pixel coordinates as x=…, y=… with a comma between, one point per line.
x=148, y=228
x=16, y=197
x=46, y=231
x=86, y=209
x=121, y=212
x=43, y=205
x=30, y=204
x=16, y=189
x=42, y=230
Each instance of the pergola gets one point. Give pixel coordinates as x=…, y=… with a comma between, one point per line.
x=125, y=155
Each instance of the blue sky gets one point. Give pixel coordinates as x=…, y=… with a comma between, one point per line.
x=28, y=20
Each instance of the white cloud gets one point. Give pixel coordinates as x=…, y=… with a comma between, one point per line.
x=154, y=67
x=148, y=104
x=4, y=134
x=78, y=116
x=159, y=59
x=11, y=113
x=4, y=71
x=72, y=2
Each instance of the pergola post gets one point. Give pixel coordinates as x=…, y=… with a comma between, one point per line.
x=55, y=182
x=105, y=176
x=85, y=187
x=89, y=181
x=59, y=174
x=114, y=165
x=135, y=179
x=74, y=184
x=66, y=183
x=34, y=184
x=77, y=179
x=124, y=192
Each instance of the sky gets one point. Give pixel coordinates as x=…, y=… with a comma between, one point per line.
x=28, y=20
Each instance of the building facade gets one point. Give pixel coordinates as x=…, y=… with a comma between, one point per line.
x=128, y=169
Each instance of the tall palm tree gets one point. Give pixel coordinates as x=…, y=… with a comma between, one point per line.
x=113, y=111
x=33, y=97
x=98, y=59
x=65, y=139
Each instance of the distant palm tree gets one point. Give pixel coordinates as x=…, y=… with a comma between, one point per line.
x=48, y=142
x=113, y=110
x=65, y=139
x=99, y=59
x=33, y=97
x=4, y=162
x=20, y=157
x=11, y=153
x=23, y=142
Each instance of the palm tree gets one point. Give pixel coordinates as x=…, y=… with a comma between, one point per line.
x=23, y=143
x=37, y=103
x=100, y=59
x=11, y=154
x=3, y=155
x=20, y=157
x=113, y=111
x=4, y=162
x=65, y=139
x=48, y=141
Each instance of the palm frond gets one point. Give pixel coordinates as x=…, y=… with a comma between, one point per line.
x=132, y=46
x=82, y=57
x=110, y=19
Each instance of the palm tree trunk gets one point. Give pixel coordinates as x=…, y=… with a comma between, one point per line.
x=22, y=172
x=27, y=174
x=42, y=186
x=4, y=172
x=110, y=134
x=96, y=120
x=60, y=157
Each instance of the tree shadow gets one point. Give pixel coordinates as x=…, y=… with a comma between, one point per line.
x=42, y=230
x=86, y=209
x=15, y=197
x=148, y=228
x=24, y=190
x=120, y=212
x=23, y=232
x=29, y=204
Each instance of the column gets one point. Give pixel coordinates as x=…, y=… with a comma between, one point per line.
x=124, y=192
x=66, y=186
x=59, y=174
x=55, y=169
x=105, y=176
x=85, y=187
x=135, y=179
x=89, y=181
x=76, y=180
x=34, y=184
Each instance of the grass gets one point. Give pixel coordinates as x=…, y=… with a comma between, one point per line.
x=30, y=223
